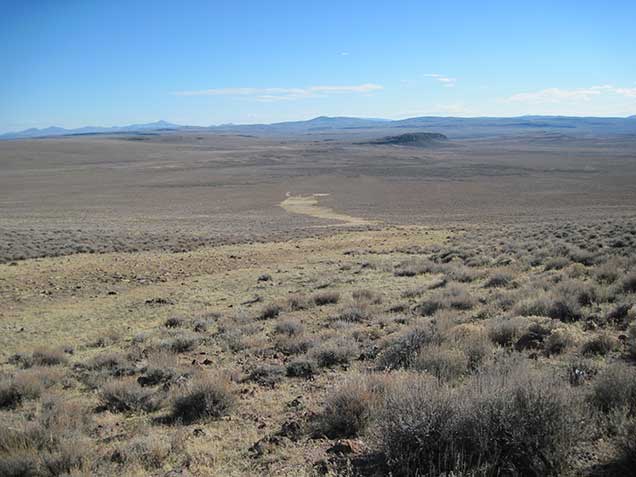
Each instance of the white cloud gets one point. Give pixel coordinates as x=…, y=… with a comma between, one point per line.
x=457, y=109
x=629, y=92
x=284, y=94
x=558, y=95
x=445, y=80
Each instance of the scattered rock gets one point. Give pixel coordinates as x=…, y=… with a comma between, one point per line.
x=256, y=299
x=264, y=446
x=296, y=403
x=322, y=467
x=300, y=369
x=590, y=325
x=530, y=340
x=178, y=473
x=292, y=430
x=346, y=446
x=159, y=301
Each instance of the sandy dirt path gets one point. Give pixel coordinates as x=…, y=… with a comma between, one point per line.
x=309, y=205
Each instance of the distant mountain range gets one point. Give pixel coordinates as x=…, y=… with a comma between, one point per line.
x=57, y=131
x=452, y=126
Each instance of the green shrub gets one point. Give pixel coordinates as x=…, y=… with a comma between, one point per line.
x=446, y=364
x=112, y=363
x=627, y=446
x=297, y=344
x=209, y=397
x=583, y=293
x=498, y=280
x=326, y=298
x=505, y=332
x=14, y=390
x=501, y=423
x=40, y=357
x=334, y=352
x=402, y=351
x=413, y=266
x=180, y=342
x=297, y=302
x=631, y=339
x=608, y=272
x=367, y=296
x=599, y=345
x=174, y=322
x=454, y=296
x=556, y=305
x=615, y=390
x=558, y=341
x=349, y=408
x=565, y=308
x=127, y=395
x=53, y=443
x=269, y=311
x=266, y=375
x=289, y=328
x=151, y=451
x=629, y=283
x=556, y=263
x=353, y=313
x=300, y=369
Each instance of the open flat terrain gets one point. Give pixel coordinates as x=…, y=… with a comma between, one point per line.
x=206, y=304
x=176, y=191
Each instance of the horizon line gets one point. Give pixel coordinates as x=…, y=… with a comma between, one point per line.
x=374, y=118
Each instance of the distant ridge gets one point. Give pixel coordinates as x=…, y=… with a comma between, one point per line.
x=57, y=131
x=452, y=126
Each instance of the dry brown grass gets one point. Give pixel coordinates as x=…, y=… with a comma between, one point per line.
x=331, y=360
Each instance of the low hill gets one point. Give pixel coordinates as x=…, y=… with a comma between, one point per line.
x=412, y=139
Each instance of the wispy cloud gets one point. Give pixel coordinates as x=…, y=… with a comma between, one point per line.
x=629, y=92
x=284, y=94
x=445, y=80
x=458, y=109
x=558, y=95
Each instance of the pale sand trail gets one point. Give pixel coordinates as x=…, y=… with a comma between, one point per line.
x=308, y=205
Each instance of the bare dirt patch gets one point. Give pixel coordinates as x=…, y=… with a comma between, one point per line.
x=309, y=205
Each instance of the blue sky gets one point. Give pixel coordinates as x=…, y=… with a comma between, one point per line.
x=73, y=63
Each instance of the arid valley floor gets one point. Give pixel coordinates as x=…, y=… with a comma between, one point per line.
x=193, y=304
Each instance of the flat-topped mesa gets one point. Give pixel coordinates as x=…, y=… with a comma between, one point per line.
x=412, y=139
